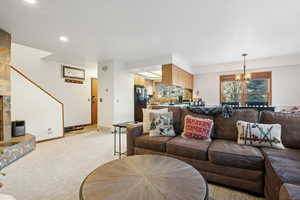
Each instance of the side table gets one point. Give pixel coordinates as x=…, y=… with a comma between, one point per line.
x=118, y=130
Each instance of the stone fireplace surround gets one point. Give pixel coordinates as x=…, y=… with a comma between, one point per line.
x=5, y=119
x=11, y=149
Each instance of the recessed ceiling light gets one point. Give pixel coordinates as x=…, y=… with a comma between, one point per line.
x=149, y=75
x=64, y=39
x=30, y=1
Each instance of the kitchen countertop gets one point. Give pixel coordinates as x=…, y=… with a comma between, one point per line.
x=167, y=105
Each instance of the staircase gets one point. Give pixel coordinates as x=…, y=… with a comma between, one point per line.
x=42, y=112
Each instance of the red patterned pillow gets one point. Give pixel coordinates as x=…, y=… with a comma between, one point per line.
x=197, y=128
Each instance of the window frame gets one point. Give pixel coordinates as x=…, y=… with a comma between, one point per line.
x=255, y=75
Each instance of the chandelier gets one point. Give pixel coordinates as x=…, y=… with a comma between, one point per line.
x=245, y=76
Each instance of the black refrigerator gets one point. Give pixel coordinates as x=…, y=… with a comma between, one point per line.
x=140, y=102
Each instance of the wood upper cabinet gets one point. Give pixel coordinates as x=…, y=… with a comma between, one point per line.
x=173, y=75
x=189, y=81
x=139, y=80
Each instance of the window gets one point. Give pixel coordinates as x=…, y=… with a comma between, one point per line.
x=256, y=91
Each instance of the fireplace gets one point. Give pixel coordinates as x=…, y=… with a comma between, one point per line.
x=11, y=149
x=1, y=116
x=5, y=120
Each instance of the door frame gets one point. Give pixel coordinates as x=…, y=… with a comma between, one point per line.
x=94, y=121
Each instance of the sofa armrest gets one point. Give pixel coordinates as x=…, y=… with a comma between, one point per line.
x=289, y=192
x=133, y=131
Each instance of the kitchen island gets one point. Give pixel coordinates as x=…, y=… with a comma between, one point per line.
x=157, y=106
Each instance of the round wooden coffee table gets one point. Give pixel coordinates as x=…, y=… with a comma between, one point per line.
x=144, y=177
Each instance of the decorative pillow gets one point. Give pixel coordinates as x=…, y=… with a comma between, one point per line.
x=197, y=128
x=146, y=117
x=161, y=124
x=267, y=135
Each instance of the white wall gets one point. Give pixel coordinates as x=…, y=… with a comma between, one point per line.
x=286, y=87
x=48, y=74
x=285, y=90
x=116, y=89
x=208, y=86
x=123, y=94
x=42, y=113
x=105, y=92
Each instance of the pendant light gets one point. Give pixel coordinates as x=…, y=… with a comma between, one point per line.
x=245, y=76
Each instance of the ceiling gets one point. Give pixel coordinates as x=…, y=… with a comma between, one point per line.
x=202, y=32
x=155, y=75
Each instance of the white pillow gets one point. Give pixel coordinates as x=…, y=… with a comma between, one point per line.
x=161, y=124
x=266, y=135
x=146, y=117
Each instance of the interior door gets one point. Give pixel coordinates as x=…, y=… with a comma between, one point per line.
x=94, y=86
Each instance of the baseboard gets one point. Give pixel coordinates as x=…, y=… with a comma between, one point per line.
x=75, y=126
x=47, y=140
x=78, y=125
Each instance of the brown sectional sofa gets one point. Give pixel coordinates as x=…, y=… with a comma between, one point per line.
x=258, y=170
x=289, y=191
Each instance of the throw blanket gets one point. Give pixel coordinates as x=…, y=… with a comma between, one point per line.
x=226, y=110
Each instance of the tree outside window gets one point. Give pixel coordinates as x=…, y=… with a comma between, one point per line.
x=232, y=91
x=256, y=91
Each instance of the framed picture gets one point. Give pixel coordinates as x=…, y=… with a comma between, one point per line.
x=73, y=72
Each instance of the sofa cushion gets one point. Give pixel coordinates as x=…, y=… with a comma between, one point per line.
x=260, y=135
x=188, y=147
x=280, y=170
x=186, y=112
x=281, y=167
x=293, y=154
x=197, y=128
x=153, y=143
x=225, y=128
x=176, y=117
x=289, y=192
x=146, y=117
x=290, y=124
x=287, y=170
x=283, y=163
x=229, y=153
x=161, y=124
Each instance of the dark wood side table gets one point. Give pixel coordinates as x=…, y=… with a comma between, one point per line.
x=118, y=130
x=144, y=177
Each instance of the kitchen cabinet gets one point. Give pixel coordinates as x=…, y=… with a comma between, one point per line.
x=173, y=75
x=139, y=80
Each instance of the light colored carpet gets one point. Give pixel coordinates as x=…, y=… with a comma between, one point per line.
x=55, y=170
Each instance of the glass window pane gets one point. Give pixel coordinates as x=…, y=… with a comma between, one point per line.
x=257, y=90
x=232, y=91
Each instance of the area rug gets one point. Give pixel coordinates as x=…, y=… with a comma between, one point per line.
x=55, y=170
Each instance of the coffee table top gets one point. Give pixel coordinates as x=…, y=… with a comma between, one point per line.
x=146, y=177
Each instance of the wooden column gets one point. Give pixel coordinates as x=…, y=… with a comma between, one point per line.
x=5, y=117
